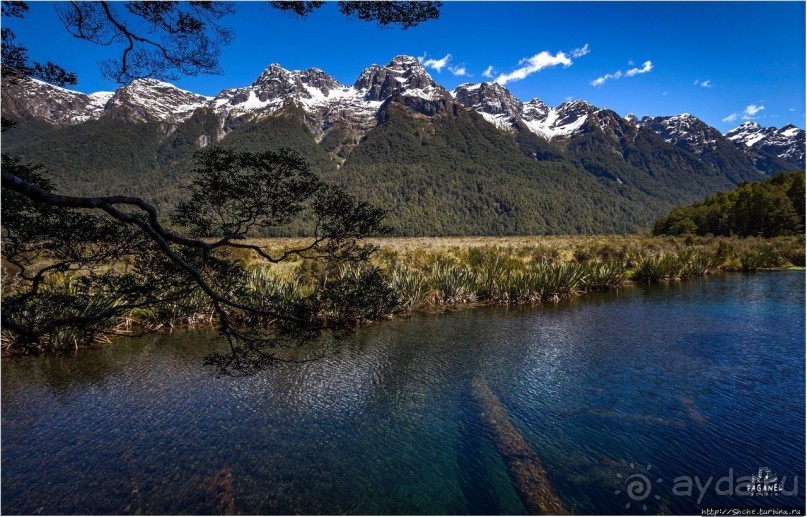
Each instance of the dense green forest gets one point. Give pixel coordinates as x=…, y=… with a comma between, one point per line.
x=767, y=209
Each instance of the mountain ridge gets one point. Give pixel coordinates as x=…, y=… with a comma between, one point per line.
x=476, y=160
x=332, y=102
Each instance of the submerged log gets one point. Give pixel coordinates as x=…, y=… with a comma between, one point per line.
x=693, y=412
x=220, y=492
x=626, y=417
x=526, y=470
x=135, y=506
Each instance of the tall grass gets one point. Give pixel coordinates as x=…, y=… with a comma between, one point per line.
x=558, y=281
x=453, y=284
x=604, y=276
x=411, y=287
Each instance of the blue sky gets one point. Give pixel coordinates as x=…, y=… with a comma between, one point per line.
x=724, y=62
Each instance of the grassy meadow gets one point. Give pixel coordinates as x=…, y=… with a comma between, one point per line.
x=437, y=273
x=428, y=273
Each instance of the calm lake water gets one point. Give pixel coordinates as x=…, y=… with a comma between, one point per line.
x=702, y=378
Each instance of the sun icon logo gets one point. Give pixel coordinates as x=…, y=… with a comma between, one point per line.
x=638, y=486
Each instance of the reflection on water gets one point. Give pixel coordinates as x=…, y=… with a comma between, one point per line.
x=692, y=379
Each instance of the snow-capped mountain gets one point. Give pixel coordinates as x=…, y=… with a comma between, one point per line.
x=786, y=142
x=710, y=146
x=684, y=130
x=321, y=96
x=435, y=159
x=355, y=108
x=564, y=120
x=491, y=100
x=403, y=75
x=39, y=100
x=146, y=100
x=499, y=107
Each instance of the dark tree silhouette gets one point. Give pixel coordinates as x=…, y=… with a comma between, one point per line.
x=403, y=14
x=14, y=56
x=81, y=263
x=73, y=266
x=161, y=39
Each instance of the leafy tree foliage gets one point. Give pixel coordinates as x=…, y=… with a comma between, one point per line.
x=404, y=14
x=770, y=209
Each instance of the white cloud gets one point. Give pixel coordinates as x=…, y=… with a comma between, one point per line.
x=533, y=64
x=747, y=114
x=435, y=64
x=646, y=67
x=580, y=52
x=703, y=84
x=601, y=80
x=792, y=109
x=664, y=92
x=752, y=109
x=489, y=71
x=459, y=71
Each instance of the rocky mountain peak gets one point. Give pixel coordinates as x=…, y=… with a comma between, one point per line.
x=571, y=111
x=403, y=75
x=273, y=72
x=153, y=100
x=685, y=131
x=789, y=129
x=535, y=110
x=489, y=98
x=24, y=97
x=786, y=142
x=316, y=78
x=748, y=133
x=276, y=82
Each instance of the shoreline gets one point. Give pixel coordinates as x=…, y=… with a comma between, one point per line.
x=204, y=323
x=435, y=275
